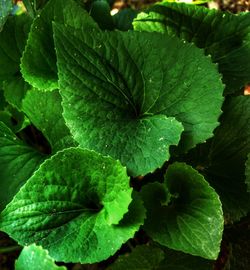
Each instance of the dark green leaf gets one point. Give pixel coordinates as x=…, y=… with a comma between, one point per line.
x=223, y=35
x=222, y=160
x=184, y=213
x=18, y=161
x=180, y=261
x=15, y=90
x=39, y=60
x=248, y=173
x=72, y=206
x=100, y=11
x=141, y=258
x=124, y=18
x=5, y=9
x=12, y=42
x=119, y=100
x=228, y=155
x=36, y=258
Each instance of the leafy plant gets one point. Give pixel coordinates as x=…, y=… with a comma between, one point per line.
x=116, y=142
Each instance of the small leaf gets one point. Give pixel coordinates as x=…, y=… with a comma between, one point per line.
x=141, y=258
x=72, y=206
x=5, y=9
x=124, y=18
x=224, y=36
x=122, y=104
x=47, y=117
x=184, y=213
x=35, y=257
x=39, y=60
x=18, y=161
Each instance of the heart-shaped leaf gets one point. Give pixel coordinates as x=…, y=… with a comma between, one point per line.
x=121, y=91
x=184, y=213
x=75, y=206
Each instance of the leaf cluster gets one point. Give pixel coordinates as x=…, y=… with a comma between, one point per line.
x=126, y=133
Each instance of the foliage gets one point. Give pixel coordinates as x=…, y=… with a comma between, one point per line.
x=123, y=134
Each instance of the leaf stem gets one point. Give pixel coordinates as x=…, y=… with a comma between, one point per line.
x=9, y=249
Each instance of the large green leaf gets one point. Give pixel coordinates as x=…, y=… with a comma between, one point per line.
x=72, y=206
x=184, y=213
x=141, y=258
x=46, y=115
x=12, y=43
x=119, y=97
x=223, y=35
x=39, y=60
x=36, y=258
x=5, y=9
x=18, y=161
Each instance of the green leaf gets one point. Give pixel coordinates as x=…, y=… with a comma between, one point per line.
x=124, y=18
x=15, y=90
x=3, y=102
x=122, y=103
x=100, y=11
x=222, y=160
x=36, y=258
x=223, y=35
x=47, y=117
x=39, y=60
x=141, y=258
x=227, y=157
x=12, y=43
x=248, y=173
x=72, y=206
x=18, y=161
x=13, y=119
x=5, y=9
x=180, y=261
x=184, y=213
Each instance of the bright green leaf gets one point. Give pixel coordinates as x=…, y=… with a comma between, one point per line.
x=141, y=258
x=39, y=60
x=36, y=258
x=5, y=9
x=72, y=206
x=46, y=115
x=119, y=100
x=18, y=161
x=184, y=213
x=224, y=36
